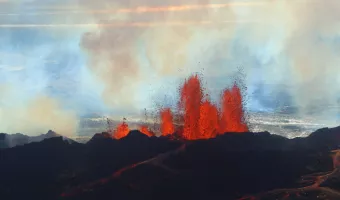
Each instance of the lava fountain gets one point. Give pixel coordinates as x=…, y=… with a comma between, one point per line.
x=190, y=102
x=167, y=126
x=208, y=123
x=232, y=117
x=201, y=119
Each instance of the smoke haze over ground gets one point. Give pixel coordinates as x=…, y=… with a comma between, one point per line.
x=71, y=59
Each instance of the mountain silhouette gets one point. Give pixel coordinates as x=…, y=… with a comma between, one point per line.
x=230, y=166
x=12, y=140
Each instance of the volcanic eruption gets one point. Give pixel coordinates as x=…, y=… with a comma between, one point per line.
x=201, y=119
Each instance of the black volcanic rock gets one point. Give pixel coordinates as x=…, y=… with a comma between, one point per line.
x=135, y=134
x=141, y=167
x=100, y=136
x=134, y=137
x=330, y=137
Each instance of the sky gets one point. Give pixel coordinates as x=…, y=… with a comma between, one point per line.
x=61, y=60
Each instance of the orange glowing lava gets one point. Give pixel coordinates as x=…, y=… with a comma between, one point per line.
x=190, y=102
x=167, y=126
x=208, y=120
x=202, y=119
x=146, y=131
x=121, y=131
x=232, y=117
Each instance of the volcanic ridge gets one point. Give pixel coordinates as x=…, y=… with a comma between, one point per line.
x=229, y=166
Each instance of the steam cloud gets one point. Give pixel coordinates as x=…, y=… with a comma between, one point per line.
x=282, y=43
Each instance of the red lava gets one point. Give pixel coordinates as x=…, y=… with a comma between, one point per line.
x=167, y=126
x=202, y=120
x=232, y=119
x=208, y=123
x=190, y=102
x=146, y=131
x=121, y=131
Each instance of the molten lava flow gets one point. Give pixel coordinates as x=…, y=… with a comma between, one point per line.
x=319, y=182
x=157, y=161
x=167, y=126
x=191, y=99
x=121, y=131
x=208, y=123
x=232, y=118
x=146, y=131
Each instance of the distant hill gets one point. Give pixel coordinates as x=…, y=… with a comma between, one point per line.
x=12, y=140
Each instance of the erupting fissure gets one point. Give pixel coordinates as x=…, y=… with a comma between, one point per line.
x=201, y=118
